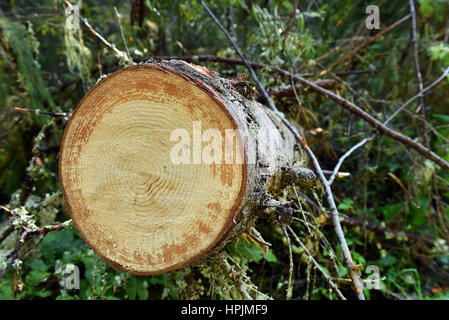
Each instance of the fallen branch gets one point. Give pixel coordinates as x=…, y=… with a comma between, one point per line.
x=325, y=83
x=351, y=107
x=290, y=269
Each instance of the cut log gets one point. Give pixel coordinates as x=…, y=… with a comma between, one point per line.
x=164, y=163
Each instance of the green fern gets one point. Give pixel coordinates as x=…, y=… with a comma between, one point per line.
x=23, y=44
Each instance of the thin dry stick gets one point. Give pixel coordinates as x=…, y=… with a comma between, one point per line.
x=290, y=270
x=420, y=94
x=426, y=152
x=330, y=198
x=48, y=113
x=415, y=53
x=324, y=56
x=25, y=235
x=243, y=281
x=295, y=90
x=343, y=157
x=329, y=280
x=121, y=31
x=363, y=45
x=340, y=174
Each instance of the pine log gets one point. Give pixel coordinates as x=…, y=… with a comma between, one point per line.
x=143, y=179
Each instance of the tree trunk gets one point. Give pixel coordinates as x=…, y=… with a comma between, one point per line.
x=163, y=163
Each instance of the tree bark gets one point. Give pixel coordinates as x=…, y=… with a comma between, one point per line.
x=164, y=163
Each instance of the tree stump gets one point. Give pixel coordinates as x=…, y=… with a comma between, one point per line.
x=163, y=163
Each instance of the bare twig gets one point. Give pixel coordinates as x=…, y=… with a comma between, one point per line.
x=241, y=281
x=329, y=280
x=121, y=31
x=420, y=94
x=415, y=54
x=347, y=154
x=426, y=152
x=49, y=113
x=290, y=269
x=294, y=90
x=332, y=206
x=10, y=211
x=27, y=232
x=340, y=174
x=363, y=45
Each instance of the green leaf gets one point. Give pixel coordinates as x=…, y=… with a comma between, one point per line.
x=346, y=204
x=43, y=293
x=131, y=288
x=6, y=291
x=270, y=256
x=391, y=211
x=38, y=264
x=35, y=277
x=250, y=251
x=442, y=118
x=358, y=258
x=142, y=291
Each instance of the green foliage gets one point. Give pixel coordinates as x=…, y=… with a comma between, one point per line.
x=440, y=52
x=13, y=35
x=346, y=204
x=434, y=9
x=251, y=252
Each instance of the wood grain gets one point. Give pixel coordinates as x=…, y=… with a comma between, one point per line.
x=131, y=204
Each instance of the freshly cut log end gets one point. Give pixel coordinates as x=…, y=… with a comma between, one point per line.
x=164, y=163
x=138, y=202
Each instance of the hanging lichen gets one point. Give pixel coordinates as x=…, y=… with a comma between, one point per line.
x=79, y=59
